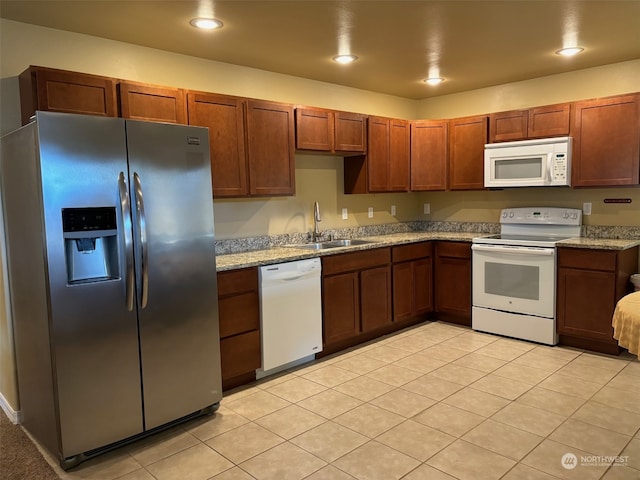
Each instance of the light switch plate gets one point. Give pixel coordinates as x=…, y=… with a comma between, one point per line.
x=586, y=208
x=370, y=212
x=427, y=208
x=345, y=214
x=393, y=210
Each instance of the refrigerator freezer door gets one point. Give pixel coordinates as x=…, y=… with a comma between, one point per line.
x=94, y=337
x=170, y=185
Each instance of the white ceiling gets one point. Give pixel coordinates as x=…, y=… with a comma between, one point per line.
x=474, y=44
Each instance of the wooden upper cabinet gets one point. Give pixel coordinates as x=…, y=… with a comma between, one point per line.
x=606, y=142
x=140, y=101
x=270, y=148
x=467, y=138
x=224, y=116
x=329, y=131
x=538, y=122
x=429, y=155
x=54, y=90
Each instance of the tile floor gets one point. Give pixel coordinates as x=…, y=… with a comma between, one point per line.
x=435, y=401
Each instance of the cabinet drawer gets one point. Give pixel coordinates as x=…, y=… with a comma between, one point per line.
x=237, y=281
x=454, y=249
x=240, y=354
x=413, y=251
x=588, y=259
x=239, y=314
x=355, y=261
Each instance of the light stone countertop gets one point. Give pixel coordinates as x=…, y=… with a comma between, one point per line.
x=288, y=254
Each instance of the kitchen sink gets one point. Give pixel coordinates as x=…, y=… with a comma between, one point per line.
x=330, y=244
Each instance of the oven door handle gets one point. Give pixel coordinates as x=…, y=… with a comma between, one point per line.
x=514, y=250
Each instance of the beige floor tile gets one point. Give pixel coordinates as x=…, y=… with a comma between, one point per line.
x=284, y=462
x=296, y=389
x=607, y=362
x=570, y=385
x=290, y=421
x=257, y=404
x=403, y=402
x=522, y=373
x=196, y=463
x=555, y=402
x=387, y=353
x=276, y=379
x=501, y=386
x=558, y=352
x=374, y=461
x=625, y=381
x=412, y=345
x=162, y=445
x=500, y=351
x=432, y=387
x=329, y=375
x=480, y=362
x=444, y=353
x=244, y=442
x=632, y=452
x=548, y=457
x=476, y=401
x=533, y=420
x=416, y=440
x=590, y=438
x=448, y=419
x=369, y=420
x=330, y=473
x=141, y=474
x=364, y=388
x=619, y=472
x=523, y=345
x=330, y=441
x=633, y=368
x=537, y=359
x=522, y=472
x=457, y=374
x=235, y=473
x=470, y=462
x=468, y=342
x=360, y=364
x=618, y=398
x=503, y=439
x=330, y=403
x=587, y=372
x=109, y=466
x=420, y=363
x=427, y=472
x=611, y=418
x=394, y=375
x=209, y=426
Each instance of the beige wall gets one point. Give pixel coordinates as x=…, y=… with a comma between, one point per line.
x=318, y=178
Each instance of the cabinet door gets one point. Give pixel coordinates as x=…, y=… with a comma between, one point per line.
x=314, y=129
x=549, y=121
x=508, y=126
x=225, y=118
x=240, y=355
x=429, y=155
x=399, y=163
x=350, y=132
x=375, y=298
x=270, y=148
x=340, y=307
x=606, y=142
x=452, y=281
x=149, y=102
x=378, y=155
x=467, y=138
x=403, y=291
x=423, y=286
x=54, y=90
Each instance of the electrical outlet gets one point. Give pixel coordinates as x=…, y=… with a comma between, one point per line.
x=586, y=208
x=427, y=208
x=345, y=214
x=370, y=212
x=393, y=210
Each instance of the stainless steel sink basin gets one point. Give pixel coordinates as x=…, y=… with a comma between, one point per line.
x=330, y=244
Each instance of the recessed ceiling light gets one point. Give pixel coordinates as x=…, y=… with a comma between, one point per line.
x=344, y=59
x=433, y=80
x=569, y=51
x=206, y=23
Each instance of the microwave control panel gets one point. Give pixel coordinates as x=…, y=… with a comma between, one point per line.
x=559, y=167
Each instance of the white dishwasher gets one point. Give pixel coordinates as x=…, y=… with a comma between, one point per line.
x=290, y=314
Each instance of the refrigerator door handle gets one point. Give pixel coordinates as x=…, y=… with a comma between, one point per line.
x=142, y=228
x=128, y=240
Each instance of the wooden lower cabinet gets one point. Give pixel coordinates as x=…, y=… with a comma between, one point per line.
x=590, y=283
x=239, y=315
x=341, y=307
x=452, y=282
x=412, y=280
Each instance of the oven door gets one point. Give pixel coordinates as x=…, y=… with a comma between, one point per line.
x=514, y=279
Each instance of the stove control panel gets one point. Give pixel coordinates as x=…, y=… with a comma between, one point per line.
x=542, y=216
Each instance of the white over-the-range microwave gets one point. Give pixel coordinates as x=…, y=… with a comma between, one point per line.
x=544, y=162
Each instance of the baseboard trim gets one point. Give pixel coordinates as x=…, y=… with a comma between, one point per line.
x=15, y=417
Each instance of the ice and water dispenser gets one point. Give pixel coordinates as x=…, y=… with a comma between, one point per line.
x=91, y=244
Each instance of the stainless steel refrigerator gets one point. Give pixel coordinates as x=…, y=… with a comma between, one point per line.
x=112, y=277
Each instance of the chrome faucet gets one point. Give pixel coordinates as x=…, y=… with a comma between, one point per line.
x=316, y=219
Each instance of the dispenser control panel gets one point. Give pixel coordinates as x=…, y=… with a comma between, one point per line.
x=88, y=219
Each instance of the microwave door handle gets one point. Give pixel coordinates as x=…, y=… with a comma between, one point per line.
x=551, y=159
